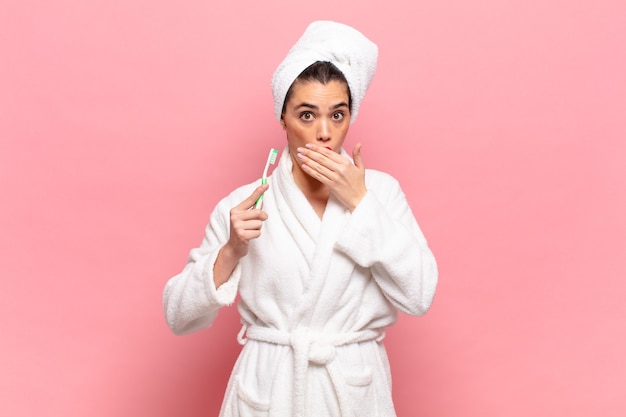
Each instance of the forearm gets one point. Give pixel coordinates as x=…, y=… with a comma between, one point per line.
x=191, y=299
x=225, y=264
x=386, y=239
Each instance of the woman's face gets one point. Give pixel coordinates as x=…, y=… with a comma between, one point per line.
x=317, y=113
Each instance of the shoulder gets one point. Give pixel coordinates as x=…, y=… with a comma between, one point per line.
x=380, y=182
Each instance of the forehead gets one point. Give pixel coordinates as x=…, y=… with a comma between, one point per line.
x=315, y=92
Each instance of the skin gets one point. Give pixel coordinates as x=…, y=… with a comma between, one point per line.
x=316, y=117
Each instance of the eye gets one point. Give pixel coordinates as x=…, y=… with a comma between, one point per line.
x=338, y=116
x=306, y=116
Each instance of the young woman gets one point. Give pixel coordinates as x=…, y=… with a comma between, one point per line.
x=323, y=267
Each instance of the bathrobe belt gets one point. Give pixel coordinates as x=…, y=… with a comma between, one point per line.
x=308, y=347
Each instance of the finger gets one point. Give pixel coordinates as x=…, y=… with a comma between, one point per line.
x=252, y=198
x=321, y=160
x=316, y=175
x=317, y=171
x=357, y=157
x=314, y=167
x=320, y=153
x=238, y=218
x=241, y=228
x=251, y=234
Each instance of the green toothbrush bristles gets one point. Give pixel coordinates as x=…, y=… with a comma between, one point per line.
x=273, y=155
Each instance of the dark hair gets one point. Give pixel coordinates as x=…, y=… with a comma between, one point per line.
x=323, y=72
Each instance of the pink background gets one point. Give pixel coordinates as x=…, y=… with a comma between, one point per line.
x=123, y=122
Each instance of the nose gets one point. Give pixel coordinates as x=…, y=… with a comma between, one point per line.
x=323, y=132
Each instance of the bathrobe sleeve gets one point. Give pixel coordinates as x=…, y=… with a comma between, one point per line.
x=383, y=235
x=190, y=299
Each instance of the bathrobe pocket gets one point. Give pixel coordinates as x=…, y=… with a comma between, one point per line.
x=248, y=404
x=359, y=394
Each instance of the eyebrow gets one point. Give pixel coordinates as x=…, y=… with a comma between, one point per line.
x=314, y=107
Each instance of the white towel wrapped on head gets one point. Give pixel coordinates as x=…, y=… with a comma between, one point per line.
x=345, y=47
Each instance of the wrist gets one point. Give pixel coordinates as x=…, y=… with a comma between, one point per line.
x=225, y=263
x=230, y=254
x=356, y=201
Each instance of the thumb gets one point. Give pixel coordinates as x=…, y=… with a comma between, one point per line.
x=356, y=156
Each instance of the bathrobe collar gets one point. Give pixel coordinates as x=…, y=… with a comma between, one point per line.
x=315, y=238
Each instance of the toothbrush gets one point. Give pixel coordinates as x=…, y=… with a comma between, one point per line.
x=271, y=159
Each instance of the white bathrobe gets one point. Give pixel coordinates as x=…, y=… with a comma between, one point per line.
x=315, y=298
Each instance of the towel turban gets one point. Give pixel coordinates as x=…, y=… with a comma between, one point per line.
x=345, y=47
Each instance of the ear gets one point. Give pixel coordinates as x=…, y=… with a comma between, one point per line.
x=282, y=123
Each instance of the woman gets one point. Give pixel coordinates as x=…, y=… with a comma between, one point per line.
x=324, y=266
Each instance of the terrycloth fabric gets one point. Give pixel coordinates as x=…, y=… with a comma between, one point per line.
x=315, y=349
x=345, y=47
x=315, y=298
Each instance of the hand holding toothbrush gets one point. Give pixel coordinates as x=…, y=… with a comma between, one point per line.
x=246, y=220
x=245, y=224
